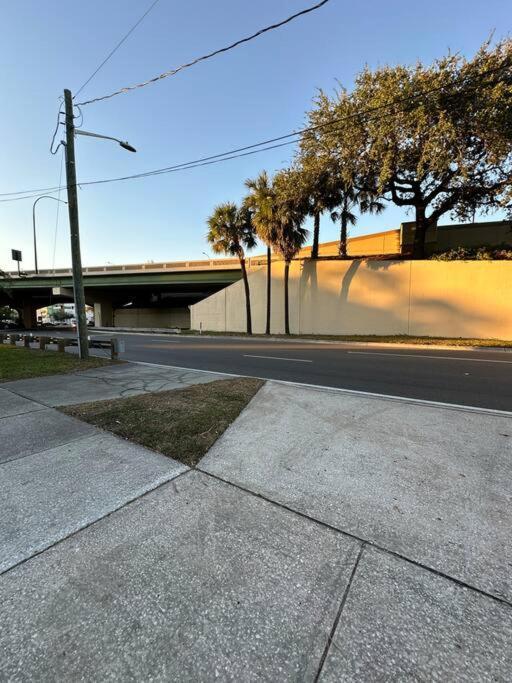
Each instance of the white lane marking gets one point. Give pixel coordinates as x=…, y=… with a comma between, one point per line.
x=350, y=392
x=163, y=341
x=150, y=335
x=422, y=355
x=295, y=360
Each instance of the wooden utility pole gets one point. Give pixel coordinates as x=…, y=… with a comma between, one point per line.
x=78, y=283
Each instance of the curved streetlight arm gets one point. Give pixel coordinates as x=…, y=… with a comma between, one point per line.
x=44, y=196
x=125, y=145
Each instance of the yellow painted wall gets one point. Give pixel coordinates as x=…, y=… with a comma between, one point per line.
x=377, y=243
x=152, y=317
x=445, y=237
x=435, y=298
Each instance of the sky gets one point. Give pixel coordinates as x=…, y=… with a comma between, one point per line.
x=258, y=91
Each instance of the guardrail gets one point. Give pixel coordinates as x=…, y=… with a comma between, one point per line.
x=116, y=346
x=213, y=264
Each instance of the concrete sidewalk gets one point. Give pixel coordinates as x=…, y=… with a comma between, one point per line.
x=326, y=536
x=111, y=381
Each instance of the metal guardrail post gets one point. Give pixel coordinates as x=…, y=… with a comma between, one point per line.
x=26, y=341
x=116, y=347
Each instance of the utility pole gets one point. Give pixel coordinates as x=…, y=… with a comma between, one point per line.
x=78, y=283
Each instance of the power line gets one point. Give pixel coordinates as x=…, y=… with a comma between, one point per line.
x=29, y=196
x=116, y=48
x=241, y=152
x=173, y=72
x=147, y=174
x=183, y=167
x=266, y=145
x=54, y=151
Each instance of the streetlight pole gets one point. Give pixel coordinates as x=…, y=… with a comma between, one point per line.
x=44, y=196
x=78, y=282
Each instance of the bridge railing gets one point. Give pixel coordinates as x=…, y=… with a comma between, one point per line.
x=212, y=264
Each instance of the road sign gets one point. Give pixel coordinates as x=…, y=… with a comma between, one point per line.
x=16, y=255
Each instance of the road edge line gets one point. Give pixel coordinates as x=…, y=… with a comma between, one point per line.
x=350, y=392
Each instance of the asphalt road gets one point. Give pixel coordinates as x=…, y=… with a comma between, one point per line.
x=474, y=378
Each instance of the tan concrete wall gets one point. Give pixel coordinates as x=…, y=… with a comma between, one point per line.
x=152, y=317
x=435, y=298
x=445, y=237
x=377, y=243
x=450, y=236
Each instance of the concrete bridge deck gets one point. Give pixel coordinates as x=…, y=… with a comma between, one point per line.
x=162, y=291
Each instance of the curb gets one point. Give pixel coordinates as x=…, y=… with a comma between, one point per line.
x=347, y=392
x=305, y=340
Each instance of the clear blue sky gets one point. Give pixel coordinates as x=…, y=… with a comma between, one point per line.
x=257, y=91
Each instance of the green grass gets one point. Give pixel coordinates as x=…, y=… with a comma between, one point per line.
x=371, y=338
x=182, y=424
x=20, y=363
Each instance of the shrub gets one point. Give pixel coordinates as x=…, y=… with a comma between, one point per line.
x=502, y=252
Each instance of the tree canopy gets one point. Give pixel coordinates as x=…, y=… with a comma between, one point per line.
x=436, y=139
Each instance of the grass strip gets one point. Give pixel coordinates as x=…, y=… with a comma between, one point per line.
x=22, y=363
x=181, y=423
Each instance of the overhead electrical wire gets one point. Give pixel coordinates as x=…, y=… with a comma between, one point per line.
x=262, y=146
x=173, y=72
x=110, y=54
x=54, y=151
x=116, y=48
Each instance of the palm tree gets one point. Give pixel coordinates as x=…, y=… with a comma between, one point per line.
x=230, y=230
x=290, y=235
x=316, y=182
x=350, y=198
x=261, y=203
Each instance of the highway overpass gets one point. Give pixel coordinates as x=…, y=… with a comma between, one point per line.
x=154, y=294
x=137, y=295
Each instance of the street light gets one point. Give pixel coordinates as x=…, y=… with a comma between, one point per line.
x=124, y=145
x=44, y=196
x=74, y=227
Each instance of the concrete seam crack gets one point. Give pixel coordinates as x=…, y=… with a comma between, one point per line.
x=95, y=521
x=344, y=597
x=367, y=542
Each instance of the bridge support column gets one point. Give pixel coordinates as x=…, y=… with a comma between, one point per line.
x=29, y=316
x=103, y=314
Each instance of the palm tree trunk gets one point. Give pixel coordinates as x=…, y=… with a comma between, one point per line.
x=269, y=288
x=343, y=235
x=247, y=296
x=316, y=235
x=286, y=306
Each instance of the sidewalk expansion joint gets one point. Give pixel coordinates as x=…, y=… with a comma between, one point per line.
x=95, y=521
x=338, y=614
x=29, y=398
x=82, y=437
x=25, y=412
x=365, y=541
